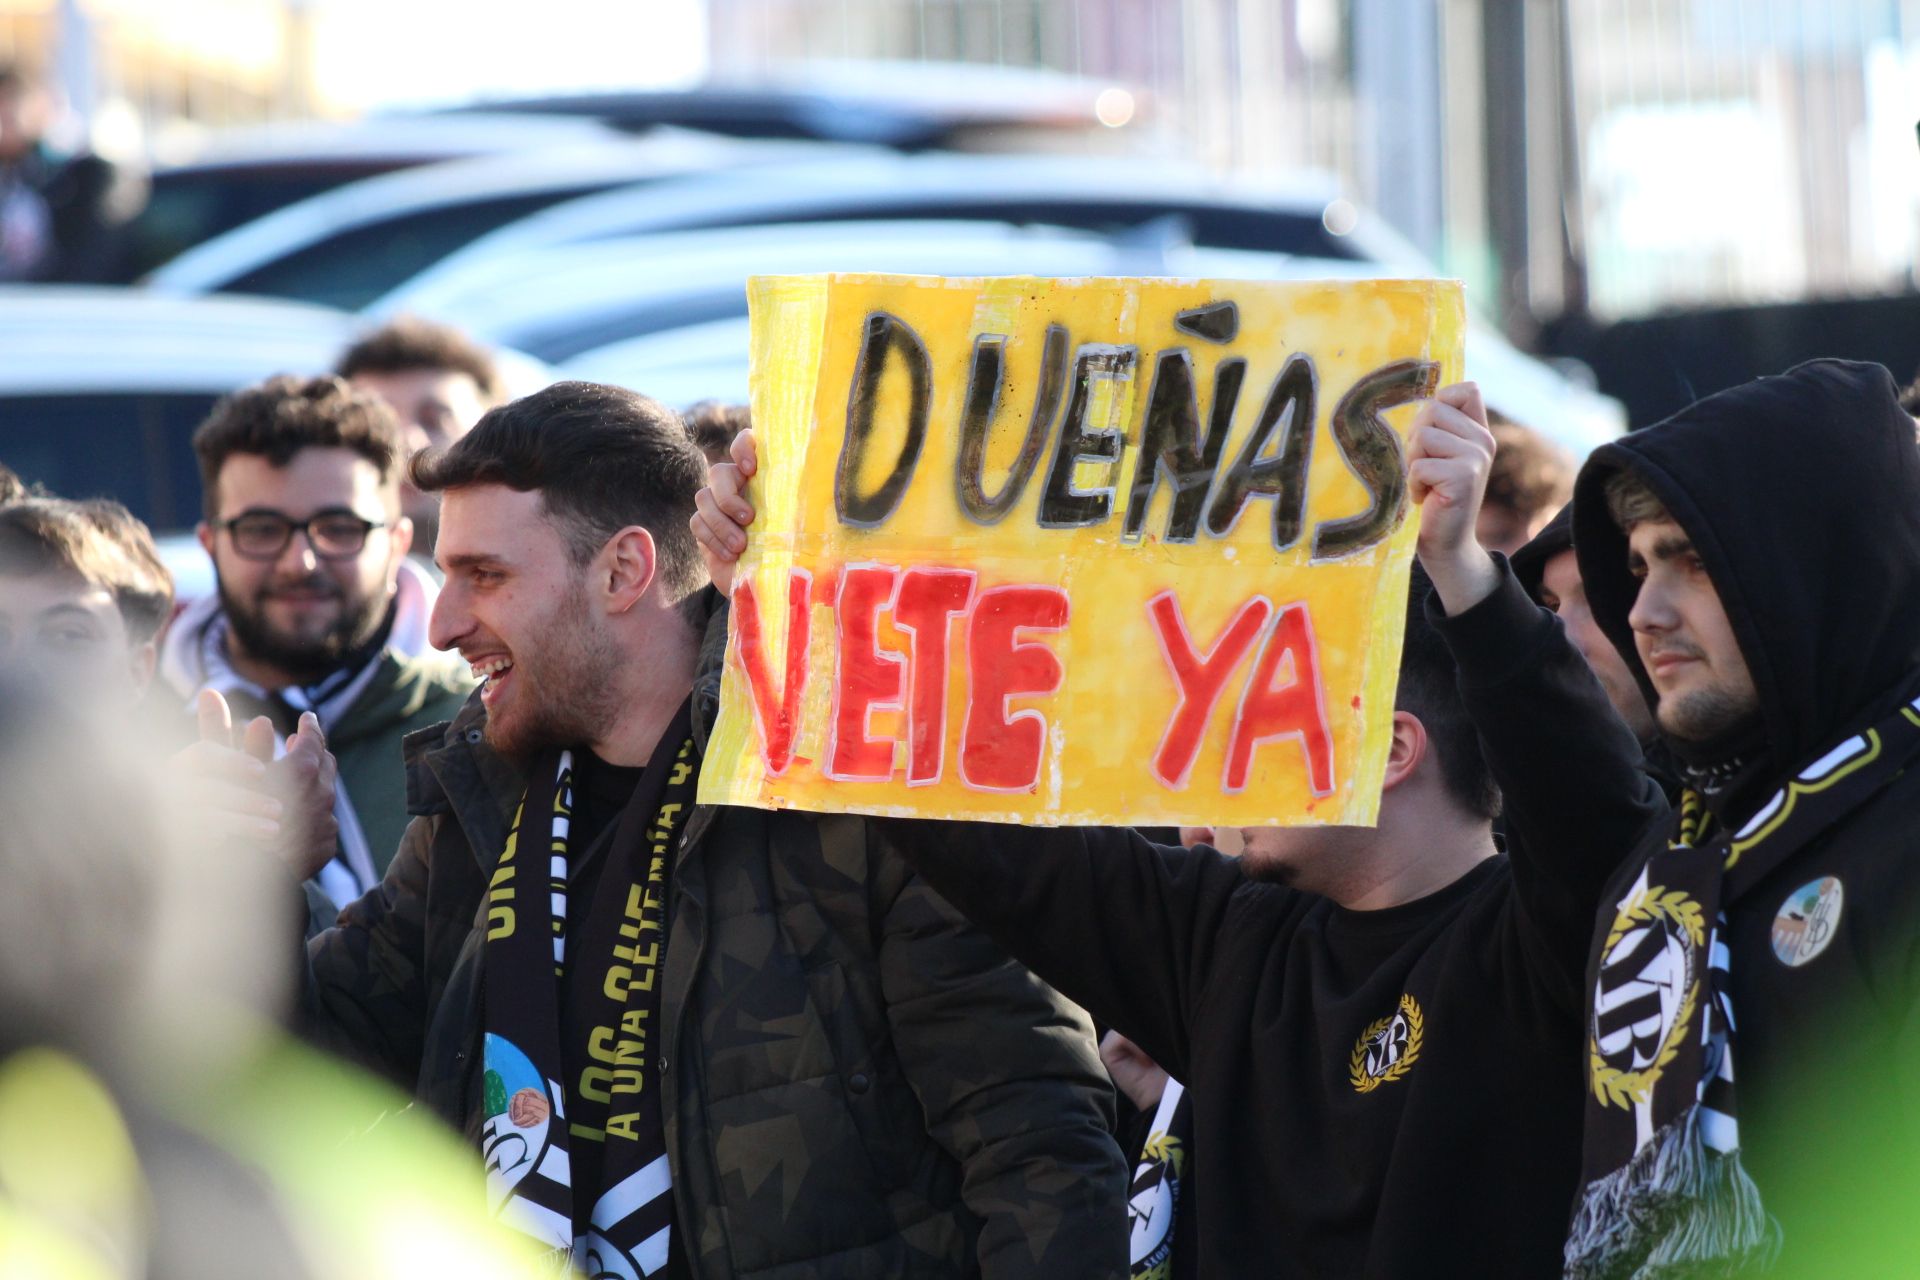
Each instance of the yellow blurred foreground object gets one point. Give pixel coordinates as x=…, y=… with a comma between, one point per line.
x=352, y=1182
x=1076, y=551
x=73, y=1204
x=376, y=1187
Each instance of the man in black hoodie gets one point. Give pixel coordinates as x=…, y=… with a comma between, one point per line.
x=1756, y=561
x=1380, y=1026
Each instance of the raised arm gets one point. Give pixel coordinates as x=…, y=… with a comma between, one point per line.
x=1125, y=928
x=1576, y=790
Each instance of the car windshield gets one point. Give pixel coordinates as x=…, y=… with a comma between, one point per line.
x=133, y=447
x=352, y=267
x=191, y=206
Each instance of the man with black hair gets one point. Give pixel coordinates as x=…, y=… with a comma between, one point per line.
x=688, y=1041
x=438, y=382
x=1753, y=993
x=1379, y=1026
x=714, y=424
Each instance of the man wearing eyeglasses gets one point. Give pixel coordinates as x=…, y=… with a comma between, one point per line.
x=318, y=608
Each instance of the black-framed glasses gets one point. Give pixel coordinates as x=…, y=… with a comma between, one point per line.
x=334, y=534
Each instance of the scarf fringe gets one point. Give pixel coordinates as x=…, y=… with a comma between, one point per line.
x=1678, y=1208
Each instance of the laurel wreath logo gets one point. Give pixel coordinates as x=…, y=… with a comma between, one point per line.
x=1168, y=1150
x=1623, y=1089
x=1416, y=1032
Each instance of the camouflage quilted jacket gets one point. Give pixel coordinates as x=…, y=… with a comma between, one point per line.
x=855, y=1081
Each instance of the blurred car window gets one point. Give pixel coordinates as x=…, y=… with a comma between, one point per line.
x=390, y=227
x=134, y=447
x=230, y=176
x=352, y=267
x=188, y=206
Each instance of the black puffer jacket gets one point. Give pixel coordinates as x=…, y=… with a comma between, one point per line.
x=855, y=1081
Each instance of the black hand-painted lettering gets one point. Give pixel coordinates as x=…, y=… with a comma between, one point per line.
x=1374, y=454
x=1171, y=446
x=983, y=408
x=1216, y=322
x=1290, y=412
x=1062, y=506
x=886, y=337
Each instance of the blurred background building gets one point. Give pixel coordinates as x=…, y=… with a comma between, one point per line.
x=1678, y=193
x=1623, y=157
x=153, y=64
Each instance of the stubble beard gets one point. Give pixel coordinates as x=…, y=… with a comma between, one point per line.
x=1702, y=715
x=564, y=693
x=308, y=660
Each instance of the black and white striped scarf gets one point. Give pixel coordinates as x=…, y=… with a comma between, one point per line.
x=593, y=1000
x=1665, y=1193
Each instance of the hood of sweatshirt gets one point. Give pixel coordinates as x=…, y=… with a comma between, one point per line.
x=1530, y=562
x=1801, y=494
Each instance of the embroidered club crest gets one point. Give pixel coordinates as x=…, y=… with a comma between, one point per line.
x=1644, y=1000
x=1807, y=921
x=1387, y=1049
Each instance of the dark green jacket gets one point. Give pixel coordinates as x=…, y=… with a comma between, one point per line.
x=855, y=1081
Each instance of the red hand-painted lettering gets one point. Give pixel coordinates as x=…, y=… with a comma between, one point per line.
x=869, y=678
x=1293, y=710
x=998, y=752
x=778, y=714
x=929, y=600
x=1200, y=677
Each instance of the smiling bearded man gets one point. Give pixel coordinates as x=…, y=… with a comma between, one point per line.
x=318, y=609
x=635, y=1005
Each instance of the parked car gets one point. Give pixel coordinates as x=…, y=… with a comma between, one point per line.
x=346, y=247
x=905, y=106
x=562, y=300
x=232, y=176
x=667, y=314
x=101, y=390
x=1138, y=199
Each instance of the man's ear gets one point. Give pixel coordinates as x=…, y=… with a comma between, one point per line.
x=141, y=660
x=204, y=532
x=628, y=565
x=1407, y=750
x=400, y=534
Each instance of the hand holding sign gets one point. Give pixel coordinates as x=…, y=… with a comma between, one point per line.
x=1449, y=458
x=722, y=513
x=1071, y=551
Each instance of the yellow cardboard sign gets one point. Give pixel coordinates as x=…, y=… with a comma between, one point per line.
x=1076, y=551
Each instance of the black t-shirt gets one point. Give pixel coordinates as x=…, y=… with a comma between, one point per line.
x=601, y=792
x=1375, y=1094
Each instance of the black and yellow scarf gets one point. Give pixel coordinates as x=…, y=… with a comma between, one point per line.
x=598, y=1012
x=1664, y=1190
